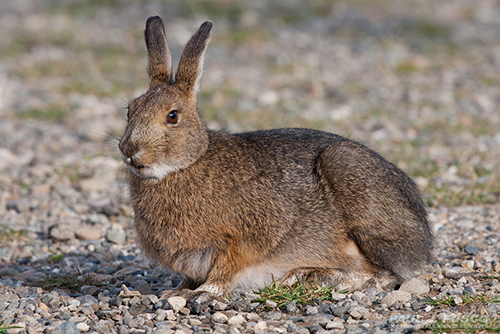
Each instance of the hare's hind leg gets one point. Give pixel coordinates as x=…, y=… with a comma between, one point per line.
x=340, y=279
x=379, y=207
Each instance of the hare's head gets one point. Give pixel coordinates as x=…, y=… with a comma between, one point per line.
x=164, y=131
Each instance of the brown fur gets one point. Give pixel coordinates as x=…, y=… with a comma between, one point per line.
x=234, y=210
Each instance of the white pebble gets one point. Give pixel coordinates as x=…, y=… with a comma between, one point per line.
x=219, y=317
x=335, y=325
x=82, y=327
x=176, y=303
x=260, y=325
x=236, y=320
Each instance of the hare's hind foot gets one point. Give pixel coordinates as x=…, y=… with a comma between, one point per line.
x=340, y=279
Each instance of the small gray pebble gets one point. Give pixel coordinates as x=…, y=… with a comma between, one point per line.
x=469, y=290
x=338, y=311
x=137, y=309
x=324, y=308
x=418, y=305
x=296, y=318
x=117, y=301
x=233, y=330
x=162, y=324
x=20, y=205
x=116, y=234
x=293, y=328
x=67, y=327
x=291, y=307
x=378, y=330
x=242, y=305
x=311, y=310
x=162, y=304
x=355, y=330
x=315, y=328
x=196, y=329
x=471, y=250
x=200, y=303
x=87, y=300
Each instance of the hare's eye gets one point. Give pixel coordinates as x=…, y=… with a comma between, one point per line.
x=172, y=117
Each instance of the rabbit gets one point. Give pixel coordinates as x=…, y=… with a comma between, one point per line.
x=241, y=210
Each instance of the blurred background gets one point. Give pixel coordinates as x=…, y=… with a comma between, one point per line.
x=415, y=80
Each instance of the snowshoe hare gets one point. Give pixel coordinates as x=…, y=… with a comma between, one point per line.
x=237, y=210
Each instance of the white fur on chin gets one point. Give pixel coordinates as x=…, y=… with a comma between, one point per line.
x=158, y=172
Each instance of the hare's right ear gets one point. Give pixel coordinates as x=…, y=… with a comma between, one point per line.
x=191, y=63
x=159, y=59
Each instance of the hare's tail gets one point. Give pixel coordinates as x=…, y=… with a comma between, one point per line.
x=380, y=207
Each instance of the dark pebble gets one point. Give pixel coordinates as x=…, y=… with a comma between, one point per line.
x=418, y=305
x=86, y=300
x=471, y=250
x=314, y=328
x=109, y=314
x=90, y=290
x=64, y=315
x=242, y=305
x=324, y=308
x=20, y=205
x=469, y=290
x=196, y=329
x=162, y=304
x=338, y=311
x=117, y=301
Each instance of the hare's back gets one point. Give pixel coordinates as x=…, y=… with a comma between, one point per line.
x=291, y=138
x=289, y=145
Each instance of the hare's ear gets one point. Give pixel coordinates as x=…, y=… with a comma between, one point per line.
x=191, y=63
x=159, y=59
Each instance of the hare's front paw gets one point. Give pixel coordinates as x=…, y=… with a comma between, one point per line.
x=184, y=293
x=215, y=291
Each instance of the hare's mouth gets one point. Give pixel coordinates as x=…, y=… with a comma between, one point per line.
x=139, y=169
x=136, y=167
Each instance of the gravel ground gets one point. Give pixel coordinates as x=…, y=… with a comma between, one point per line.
x=416, y=81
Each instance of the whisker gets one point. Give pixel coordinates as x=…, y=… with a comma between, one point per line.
x=125, y=101
x=121, y=81
x=121, y=174
x=181, y=175
x=133, y=76
x=101, y=134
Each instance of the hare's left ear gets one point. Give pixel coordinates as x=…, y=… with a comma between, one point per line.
x=159, y=58
x=191, y=63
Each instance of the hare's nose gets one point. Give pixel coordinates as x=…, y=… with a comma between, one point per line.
x=127, y=149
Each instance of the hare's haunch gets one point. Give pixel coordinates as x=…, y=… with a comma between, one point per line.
x=237, y=210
